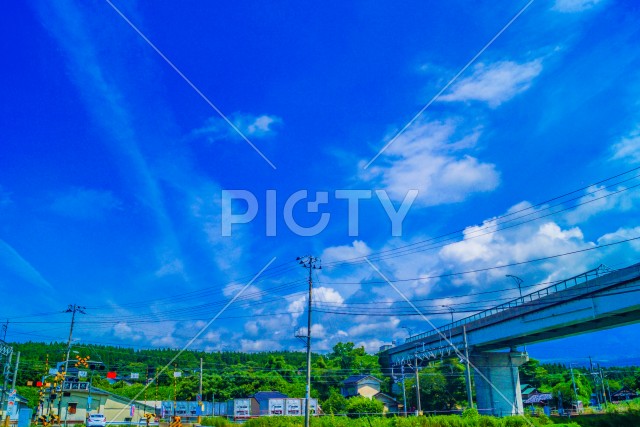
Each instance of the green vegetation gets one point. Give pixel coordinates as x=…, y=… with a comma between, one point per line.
x=232, y=374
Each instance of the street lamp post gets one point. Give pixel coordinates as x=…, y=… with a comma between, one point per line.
x=452, y=310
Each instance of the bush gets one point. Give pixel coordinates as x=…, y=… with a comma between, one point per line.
x=215, y=422
x=360, y=405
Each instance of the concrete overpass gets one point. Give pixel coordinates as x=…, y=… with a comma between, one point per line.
x=595, y=300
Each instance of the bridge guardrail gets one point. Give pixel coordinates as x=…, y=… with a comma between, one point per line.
x=562, y=285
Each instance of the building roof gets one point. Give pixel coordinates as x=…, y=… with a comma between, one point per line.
x=528, y=390
x=266, y=395
x=353, y=379
x=538, y=398
x=385, y=395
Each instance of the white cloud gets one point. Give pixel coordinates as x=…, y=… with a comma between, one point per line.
x=259, y=345
x=251, y=293
x=83, y=203
x=431, y=158
x=296, y=307
x=122, y=330
x=601, y=200
x=628, y=148
x=337, y=253
x=622, y=233
x=574, y=5
x=174, y=266
x=328, y=295
x=216, y=129
x=495, y=83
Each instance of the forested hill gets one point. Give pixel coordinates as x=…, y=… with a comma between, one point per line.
x=225, y=374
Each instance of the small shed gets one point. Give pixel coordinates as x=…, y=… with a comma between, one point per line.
x=390, y=404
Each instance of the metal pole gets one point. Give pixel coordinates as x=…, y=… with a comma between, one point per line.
x=72, y=309
x=573, y=381
x=418, y=386
x=404, y=391
x=201, y=398
x=7, y=368
x=15, y=372
x=307, y=409
x=468, y=370
x=604, y=392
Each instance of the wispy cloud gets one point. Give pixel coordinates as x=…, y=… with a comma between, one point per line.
x=570, y=6
x=215, y=129
x=628, y=149
x=435, y=160
x=84, y=203
x=12, y=262
x=495, y=83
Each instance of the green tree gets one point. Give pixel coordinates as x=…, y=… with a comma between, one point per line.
x=335, y=404
x=360, y=405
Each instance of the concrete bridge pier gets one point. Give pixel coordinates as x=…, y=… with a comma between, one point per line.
x=500, y=395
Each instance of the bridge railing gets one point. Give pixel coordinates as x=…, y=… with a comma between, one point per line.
x=601, y=270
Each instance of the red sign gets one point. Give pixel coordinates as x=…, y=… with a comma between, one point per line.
x=112, y=375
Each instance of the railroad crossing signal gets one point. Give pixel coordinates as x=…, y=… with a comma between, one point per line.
x=82, y=361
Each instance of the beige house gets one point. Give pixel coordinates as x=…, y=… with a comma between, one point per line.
x=368, y=386
x=78, y=402
x=360, y=385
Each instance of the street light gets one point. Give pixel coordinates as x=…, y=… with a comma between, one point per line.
x=409, y=330
x=452, y=310
x=518, y=282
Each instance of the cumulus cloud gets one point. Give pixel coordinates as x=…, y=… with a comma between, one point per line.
x=623, y=233
x=84, y=203
x=433, y=159
x=216, y=128
x=357, y=248
x=569, y=6
x=259, y=345
x=600, y=200
x=628, y=148
x=495, y=83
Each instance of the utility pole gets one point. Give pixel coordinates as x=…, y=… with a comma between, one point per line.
x=573, y=381
x=604, y=392
x=4, y=330
x=404, y=391
x=309, y=262
x=72, y=308
x=468, y=370
x=200, y=416
x=417, y=385
x=15, y=372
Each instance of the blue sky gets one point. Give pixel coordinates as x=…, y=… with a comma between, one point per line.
x=114, y=166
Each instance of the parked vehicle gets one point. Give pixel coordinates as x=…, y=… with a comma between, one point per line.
x=96, y=420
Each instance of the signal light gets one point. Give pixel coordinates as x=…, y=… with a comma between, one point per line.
x=112, y=375
x=38, y=383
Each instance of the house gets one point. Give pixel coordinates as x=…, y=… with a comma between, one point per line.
x=368, y=386
x=14, y=403
x=540, y=399
x=78, y=400
x=623, y=394
x=527, y=391
x=360, y=385
x=390, y=404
